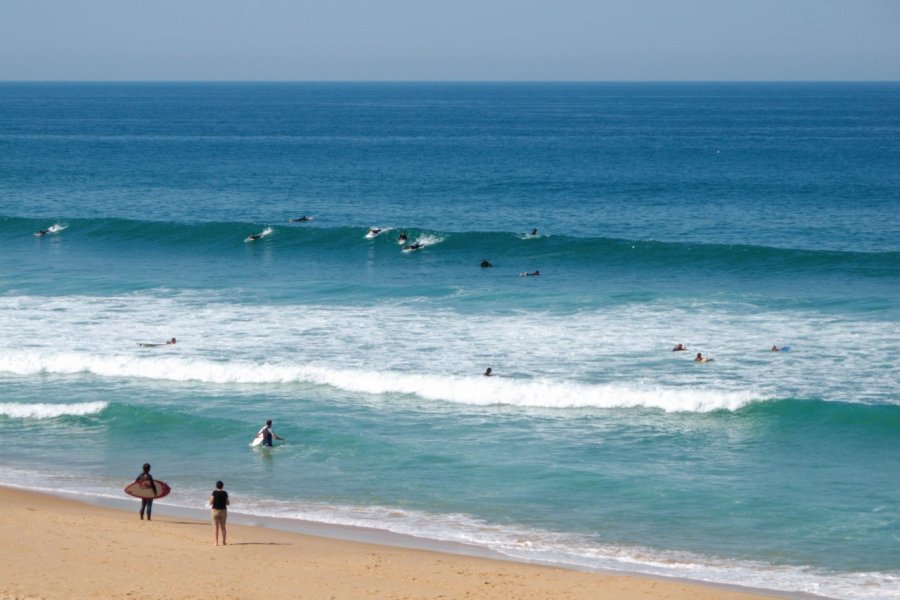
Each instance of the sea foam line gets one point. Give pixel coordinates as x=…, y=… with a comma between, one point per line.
x=18, y=410
x=471, y=390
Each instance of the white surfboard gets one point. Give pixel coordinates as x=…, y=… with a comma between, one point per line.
x=256, y=441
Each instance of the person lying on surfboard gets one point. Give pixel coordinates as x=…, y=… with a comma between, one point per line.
x=702, y=359
x=267, y=434
x=679, y=348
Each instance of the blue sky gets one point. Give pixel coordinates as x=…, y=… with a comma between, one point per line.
x=440, y=40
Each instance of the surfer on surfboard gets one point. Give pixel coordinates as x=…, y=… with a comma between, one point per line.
x=303, y=219
x=702, y=359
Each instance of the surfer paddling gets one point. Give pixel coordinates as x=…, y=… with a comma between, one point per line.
x=147, y=503
x=303, y=219
x=267, y=434
x=679, y=348
x=702, y=359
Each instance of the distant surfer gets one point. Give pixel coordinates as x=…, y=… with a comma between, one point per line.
x=303, y=219
x=489, y=372
x=402, y=237
x=415, y=246
x=530, y=274
x=702, y=359
x=373, y=232
x=533, y=232
x=679, y=348
x=172, y=341
x=147, y=503
x=41, y=232
x=777, y=349
x=486, y=265
x=218, y=503
x=253, y=237
x=267, y=434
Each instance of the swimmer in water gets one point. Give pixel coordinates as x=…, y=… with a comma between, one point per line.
x=172, y=341
x=531, y=274
x=534, y=232
x=302, y=219
x=485, y=264
x=679, y=348
x=702, y=359
x=42, y=232
x=254, y=236
x=415, y=246
x=489, y=372
x=402, y=237
x=373, y=231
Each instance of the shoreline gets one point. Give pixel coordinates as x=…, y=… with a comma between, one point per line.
x=67, y=547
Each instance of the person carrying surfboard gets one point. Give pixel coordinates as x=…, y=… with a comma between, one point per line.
x=267, y=434
x=147, y=503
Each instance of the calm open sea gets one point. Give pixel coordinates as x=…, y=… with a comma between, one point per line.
x=729, y=218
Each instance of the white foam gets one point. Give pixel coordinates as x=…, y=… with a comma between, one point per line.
x=17, y=410
x=594, y=358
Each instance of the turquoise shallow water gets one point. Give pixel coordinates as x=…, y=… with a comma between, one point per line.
x=725, y=217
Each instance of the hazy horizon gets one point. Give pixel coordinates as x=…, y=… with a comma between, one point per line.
x=441, y=41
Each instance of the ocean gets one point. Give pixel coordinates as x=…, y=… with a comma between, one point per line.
x=726, y=217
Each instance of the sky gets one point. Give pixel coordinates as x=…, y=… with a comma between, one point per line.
x=450, y=40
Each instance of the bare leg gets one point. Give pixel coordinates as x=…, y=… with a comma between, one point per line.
x=224, y=543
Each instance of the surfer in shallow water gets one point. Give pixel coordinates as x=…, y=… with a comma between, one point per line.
x=267, y=434
x=147, y=503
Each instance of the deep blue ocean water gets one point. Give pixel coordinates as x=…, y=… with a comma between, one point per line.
x=727, y=217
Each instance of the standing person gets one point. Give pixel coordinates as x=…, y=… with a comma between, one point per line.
x=147, y=503
x=267, y=434
x=218, y=503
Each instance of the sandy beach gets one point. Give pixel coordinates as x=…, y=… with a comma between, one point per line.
x=59, y=548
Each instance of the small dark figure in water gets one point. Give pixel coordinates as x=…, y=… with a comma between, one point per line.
x=531, y=274
x=534, y=232
x=302, y=219
x=415, y=246
x=402, y=237
x=485, y=264
x=42, y=232
x=254, y=236
x=489, y=372
x=679, y=348
x=172, y=341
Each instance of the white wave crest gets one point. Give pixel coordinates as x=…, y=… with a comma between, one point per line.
x=50, y=411
x=472, y=390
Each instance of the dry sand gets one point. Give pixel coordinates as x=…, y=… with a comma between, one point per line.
x=58, y=548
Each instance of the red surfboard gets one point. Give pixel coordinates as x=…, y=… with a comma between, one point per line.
x=143, y=489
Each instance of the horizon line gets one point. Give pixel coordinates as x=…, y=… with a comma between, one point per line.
x=446, y=81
